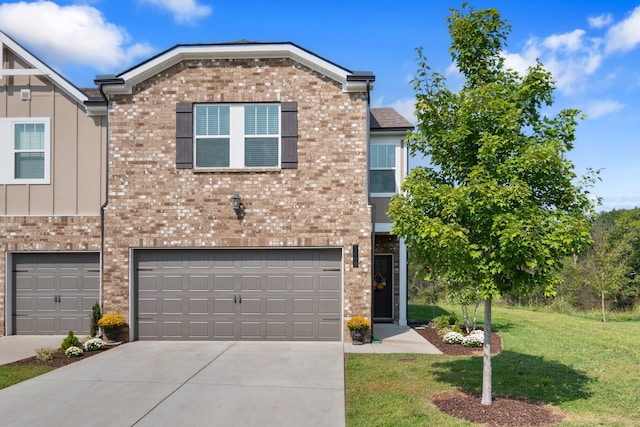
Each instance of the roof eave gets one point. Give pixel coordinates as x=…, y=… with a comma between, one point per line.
x=181, y=53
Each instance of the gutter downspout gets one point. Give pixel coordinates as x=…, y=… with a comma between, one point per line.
x=373, y=207
x=101, y=81
x=368, y=79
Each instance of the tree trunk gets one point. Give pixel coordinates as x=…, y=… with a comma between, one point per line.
x=475, y=315
x=604, y=317
x=486, y=358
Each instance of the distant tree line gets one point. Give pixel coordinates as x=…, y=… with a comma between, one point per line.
x=602, y=277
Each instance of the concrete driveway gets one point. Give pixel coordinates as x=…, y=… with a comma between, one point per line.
x=149, y=383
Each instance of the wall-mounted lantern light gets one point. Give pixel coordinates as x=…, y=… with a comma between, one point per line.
x=238, y=207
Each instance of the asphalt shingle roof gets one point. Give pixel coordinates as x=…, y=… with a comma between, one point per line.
x=388, y=118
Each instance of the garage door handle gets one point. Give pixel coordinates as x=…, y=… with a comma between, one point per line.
x=337, y=318
x=144, y=318
x=331, y=269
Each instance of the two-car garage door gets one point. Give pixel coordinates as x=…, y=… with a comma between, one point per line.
x=243, y=294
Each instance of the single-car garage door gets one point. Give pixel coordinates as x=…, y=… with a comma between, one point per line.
x=240, y=294
x=54, y=292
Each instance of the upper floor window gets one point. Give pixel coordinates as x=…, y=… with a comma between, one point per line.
x=24, y=150
x=237, y=136
x=382, y=165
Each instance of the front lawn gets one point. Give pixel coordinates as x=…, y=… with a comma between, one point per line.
x=587, y=369
x=10, y=375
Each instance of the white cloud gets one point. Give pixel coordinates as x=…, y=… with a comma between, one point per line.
x=520, y=62
x=625, y=35
x=600, y=21
x=74, y=34
x=406, y=107
x=601, y=108
x=184, y=11
x=570, y=57
x=569, y=42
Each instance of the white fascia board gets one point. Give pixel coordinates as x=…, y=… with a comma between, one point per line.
x=233, y=51
x=39, y=68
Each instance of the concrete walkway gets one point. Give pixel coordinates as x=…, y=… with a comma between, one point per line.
x=389, y=338
x=153, y=383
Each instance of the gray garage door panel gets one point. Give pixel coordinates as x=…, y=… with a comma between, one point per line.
x=55, y=292
x=292, y=294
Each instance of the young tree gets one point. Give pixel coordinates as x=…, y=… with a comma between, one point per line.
x=498, y=207
x=609, y=264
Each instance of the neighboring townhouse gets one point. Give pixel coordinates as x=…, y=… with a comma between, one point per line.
x=241, y=194
x=388, y=165
x=52, y=164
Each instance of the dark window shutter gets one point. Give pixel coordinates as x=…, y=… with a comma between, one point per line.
x=184, y=135
x=289, y=118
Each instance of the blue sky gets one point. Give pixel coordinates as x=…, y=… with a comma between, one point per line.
x=591, y=47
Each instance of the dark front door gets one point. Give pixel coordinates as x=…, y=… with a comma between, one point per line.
x=383, y=287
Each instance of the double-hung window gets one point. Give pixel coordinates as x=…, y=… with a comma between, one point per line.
x=24, y=151
x=382, y=169
x=237, y=136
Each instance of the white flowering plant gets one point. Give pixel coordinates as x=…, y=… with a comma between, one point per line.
x=453, y=338
x=473, y=340
x=477, y=332
x=73, y=351
x=93, y=344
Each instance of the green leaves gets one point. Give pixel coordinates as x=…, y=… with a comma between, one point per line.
x=498, y=209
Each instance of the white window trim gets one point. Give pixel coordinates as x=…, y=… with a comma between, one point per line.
x=397, y=167
x=7, y=150
x=237, y=138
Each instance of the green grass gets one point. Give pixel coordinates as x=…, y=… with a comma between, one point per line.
x=590, y=370
x=10, y=375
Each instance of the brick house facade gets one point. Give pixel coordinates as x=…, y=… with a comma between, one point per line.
x=295, y=259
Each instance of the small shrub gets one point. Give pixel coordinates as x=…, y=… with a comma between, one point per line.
x=456, y=328
x=96, y=314
x=453, y=338
x=453, y=318
x=70, y=341
x=442, y=322
x=477, y=332
x=45, y=353
x=94, y=344
x=473, y=340
x=73, y=351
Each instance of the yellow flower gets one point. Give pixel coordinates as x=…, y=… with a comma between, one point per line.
x=358, y=323
x=112, y=321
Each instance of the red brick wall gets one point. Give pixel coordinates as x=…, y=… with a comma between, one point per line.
x=322, y=203
x=43, y=234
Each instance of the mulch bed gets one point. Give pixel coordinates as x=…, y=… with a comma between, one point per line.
x=431, y=335
x=59, y=359
x=503, y=411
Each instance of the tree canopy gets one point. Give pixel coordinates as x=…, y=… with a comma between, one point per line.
x=498, y=208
